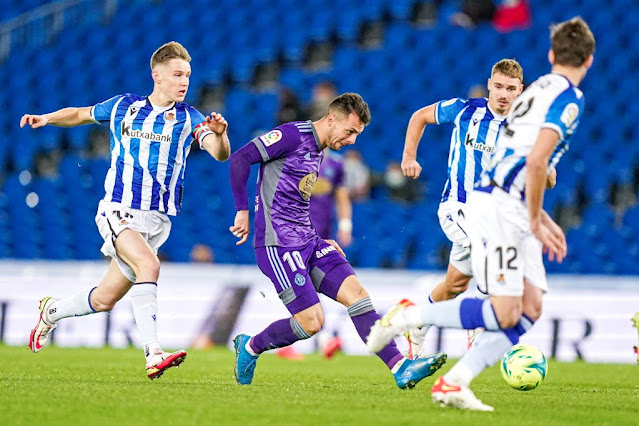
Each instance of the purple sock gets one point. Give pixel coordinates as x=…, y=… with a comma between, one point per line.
x=278, y=334
x=363, y=323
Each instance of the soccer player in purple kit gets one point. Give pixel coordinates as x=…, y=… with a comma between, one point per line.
x=288, y=249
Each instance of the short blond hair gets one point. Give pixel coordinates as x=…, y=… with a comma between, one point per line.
x=509, y=68
x=168, y=51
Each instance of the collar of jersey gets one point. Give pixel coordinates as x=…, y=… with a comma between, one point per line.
x=159, y=108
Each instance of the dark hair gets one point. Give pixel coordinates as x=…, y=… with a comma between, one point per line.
x=572, y=42
x=347, y=103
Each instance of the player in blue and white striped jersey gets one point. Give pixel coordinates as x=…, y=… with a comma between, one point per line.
x=507, y=225
x=150, y=140
x=477, y=122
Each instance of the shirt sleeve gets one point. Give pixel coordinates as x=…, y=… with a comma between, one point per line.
x=277, y=143
x=199, y=128
x=446, y=111
x=564, y=113
x=339, y=174
x=101, y=113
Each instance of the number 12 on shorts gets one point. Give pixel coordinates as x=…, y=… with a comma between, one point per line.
x=510, y=256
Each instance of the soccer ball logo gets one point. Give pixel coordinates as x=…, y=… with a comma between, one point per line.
x=524, y=367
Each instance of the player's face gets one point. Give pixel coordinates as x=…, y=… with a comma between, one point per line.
x=343, y=130
x=173, y=79
x=502, y=92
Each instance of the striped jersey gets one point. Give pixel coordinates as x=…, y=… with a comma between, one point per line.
x=291, y=158
x=149, y=146
x=472, y=142
x=550, y=102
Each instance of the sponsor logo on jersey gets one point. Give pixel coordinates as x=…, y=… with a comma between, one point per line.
x=306, y=185
x=323, y=252
x=139, y=134
x=571, y=111
x=470, y=143
x=271, y=137
x=449, y=102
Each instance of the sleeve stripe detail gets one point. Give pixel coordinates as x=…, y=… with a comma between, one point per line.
x=260, y=147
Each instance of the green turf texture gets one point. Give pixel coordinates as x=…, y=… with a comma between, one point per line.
x=63, y=386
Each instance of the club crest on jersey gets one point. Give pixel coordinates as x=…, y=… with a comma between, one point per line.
x=299, y=279
x=271, y=137
x=571, y=111
x=306, y=185
x=169, y=116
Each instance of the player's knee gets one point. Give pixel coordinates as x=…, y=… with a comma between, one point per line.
x=101, y=303
x=457, y=287
x=509, y=319
x=313, y=325
x=532, y=311
x=148, y=268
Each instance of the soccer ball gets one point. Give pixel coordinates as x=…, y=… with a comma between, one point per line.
x=524, y=367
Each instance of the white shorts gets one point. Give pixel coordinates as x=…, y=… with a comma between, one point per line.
x=452, y=219
x=504, y=250
x=113, y=218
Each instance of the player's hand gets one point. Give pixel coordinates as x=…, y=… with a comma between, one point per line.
x=34, y=121
x=411, y=168
x=217, y=123
x=551, y=236
x=242, y=227
x=551, y=179
x=345, y=238
x=337, y=247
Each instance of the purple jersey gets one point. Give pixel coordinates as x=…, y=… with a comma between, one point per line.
x=291, y=157
x=331, y=177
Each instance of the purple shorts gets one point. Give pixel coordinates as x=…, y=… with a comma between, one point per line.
x=299, y=273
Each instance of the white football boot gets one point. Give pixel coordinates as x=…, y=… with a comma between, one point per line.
x=40, y=334
x=456, y=396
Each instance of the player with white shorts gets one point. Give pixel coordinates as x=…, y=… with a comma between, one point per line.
x=505, y=217
x=151, y=138
x=477, y=122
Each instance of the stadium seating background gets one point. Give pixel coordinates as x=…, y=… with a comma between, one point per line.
x=91, y=60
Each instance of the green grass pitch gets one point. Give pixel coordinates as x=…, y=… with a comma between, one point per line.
x=62, y=386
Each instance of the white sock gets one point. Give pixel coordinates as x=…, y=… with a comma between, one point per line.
x=74, y=306
x=412, y=317
x=459, y=375
x=397, y=365
x=249, y=349
x=486, y=350
x=145, y=310
x=151, y=349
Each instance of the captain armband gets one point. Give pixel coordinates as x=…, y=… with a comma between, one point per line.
x=200, y=132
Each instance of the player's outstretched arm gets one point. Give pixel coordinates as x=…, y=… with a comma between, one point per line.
x=66, y=117
x=414, y=133
x=217, y=144
x=344, y=216
x=536, y=168
x=240, y=168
